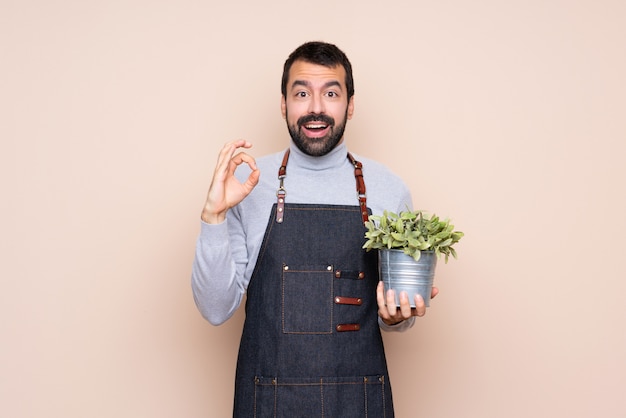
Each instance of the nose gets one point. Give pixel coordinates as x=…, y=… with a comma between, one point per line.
x=316, y=105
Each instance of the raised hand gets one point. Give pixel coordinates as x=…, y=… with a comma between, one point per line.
x=225, y=190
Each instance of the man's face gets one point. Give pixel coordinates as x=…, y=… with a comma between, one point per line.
x=316, y=107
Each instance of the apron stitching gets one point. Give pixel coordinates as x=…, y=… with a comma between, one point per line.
x=322, y=394
x=365, y=394
x=330, y=303
x=282, y=273
x=382, y=392
x=275, y=400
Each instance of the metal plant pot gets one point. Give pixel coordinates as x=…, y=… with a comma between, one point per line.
x=401, y=272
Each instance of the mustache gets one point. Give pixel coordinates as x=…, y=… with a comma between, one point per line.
x=329, y=120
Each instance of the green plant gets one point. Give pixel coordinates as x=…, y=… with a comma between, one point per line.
x=413, y=232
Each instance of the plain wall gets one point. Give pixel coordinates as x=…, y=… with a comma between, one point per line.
x=507, y=116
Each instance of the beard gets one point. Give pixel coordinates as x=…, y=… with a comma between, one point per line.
x=316, y=147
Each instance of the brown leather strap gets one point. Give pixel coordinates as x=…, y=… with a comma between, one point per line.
x=347, y=327
x=282, y=171
x=342, y=300
x=281, y=192
x=360, y=188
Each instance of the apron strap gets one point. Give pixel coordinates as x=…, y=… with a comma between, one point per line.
x=360, y=188
x=281, y=192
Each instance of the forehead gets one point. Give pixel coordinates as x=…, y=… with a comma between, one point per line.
x=316, y=74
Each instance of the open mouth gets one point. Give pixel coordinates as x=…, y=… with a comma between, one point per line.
x=316, y=129
x=316, y=126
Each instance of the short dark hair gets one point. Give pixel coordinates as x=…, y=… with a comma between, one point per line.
x=320, y=53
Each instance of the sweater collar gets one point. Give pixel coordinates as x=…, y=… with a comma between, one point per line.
x=333, y=159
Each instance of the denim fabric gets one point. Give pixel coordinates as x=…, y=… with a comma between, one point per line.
x=292, y=360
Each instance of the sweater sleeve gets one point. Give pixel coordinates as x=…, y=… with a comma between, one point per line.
x=401, y=327
x=217, y=285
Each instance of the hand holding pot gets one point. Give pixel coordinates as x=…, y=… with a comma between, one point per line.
x=391, y=314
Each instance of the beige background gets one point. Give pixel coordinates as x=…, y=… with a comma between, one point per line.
x=508, y=116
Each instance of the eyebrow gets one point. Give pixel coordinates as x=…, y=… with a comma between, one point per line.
x=307, y=84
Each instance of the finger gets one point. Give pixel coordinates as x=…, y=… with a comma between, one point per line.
x=420, y=306
x=380, y=294
x=405, y=305
x=380, y=300
x=242, y=143
x=241, y=158
x=238, y=143
x=391, y=302
x=227, y=152
x=434, y=292
x=224, y=160
x=253, y=179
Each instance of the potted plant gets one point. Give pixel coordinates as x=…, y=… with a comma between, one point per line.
x=409, y=245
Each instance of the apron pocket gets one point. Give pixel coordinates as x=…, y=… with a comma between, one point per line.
x=307, y=299
x=338, y=397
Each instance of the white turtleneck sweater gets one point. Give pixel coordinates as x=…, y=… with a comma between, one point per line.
x=226, y=253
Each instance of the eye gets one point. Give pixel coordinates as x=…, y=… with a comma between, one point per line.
x=301, y=94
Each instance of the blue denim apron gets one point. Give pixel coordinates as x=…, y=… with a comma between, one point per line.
x=311, y=344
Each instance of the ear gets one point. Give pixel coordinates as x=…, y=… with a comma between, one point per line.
x=283, y=106
x=350, y=107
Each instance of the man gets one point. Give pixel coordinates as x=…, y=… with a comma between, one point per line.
x=287, y=231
